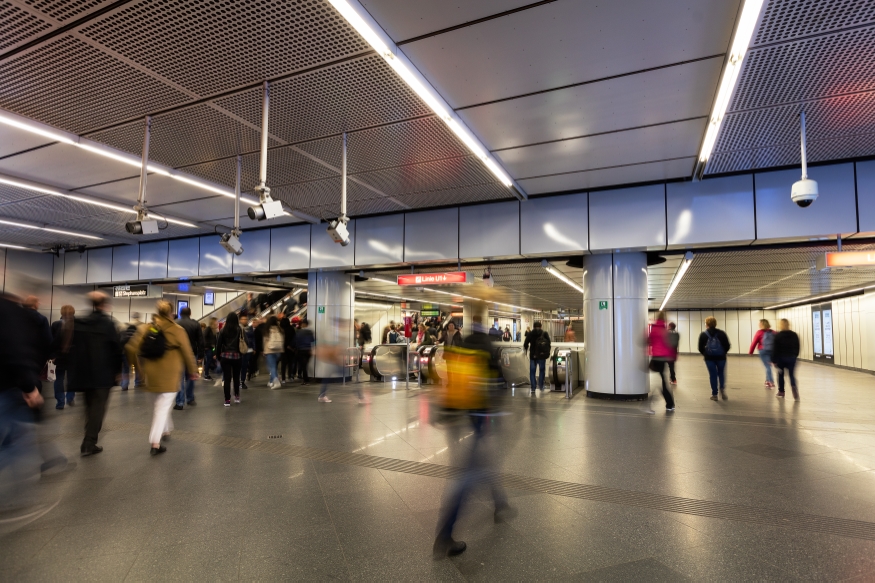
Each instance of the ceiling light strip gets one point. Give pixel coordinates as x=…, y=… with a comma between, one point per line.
x=678, y=276
x=815, y=299
x=19, y=247
x=744, y=30
x=561, y=276
x=48, y=229
x=359, y=18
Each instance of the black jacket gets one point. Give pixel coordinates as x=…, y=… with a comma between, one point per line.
x=259, y=337
x=15, y=353
x=721, y=336
x=209, y=338
x=289, y=333
x=226, y=342
x=42, y=339
x=195, y=335
x=531, y=339
x=786, y=345
x=95, y=357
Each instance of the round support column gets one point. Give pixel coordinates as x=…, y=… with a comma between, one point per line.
x=330, y=311
x=615, y=317
x=474, y=311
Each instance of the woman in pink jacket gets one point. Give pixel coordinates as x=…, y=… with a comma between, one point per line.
x=764, y=340
x=661, y=353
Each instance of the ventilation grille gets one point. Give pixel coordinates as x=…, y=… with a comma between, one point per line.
x=18, y=26
x=788, y=19
x=73, y=86
x=211, y=46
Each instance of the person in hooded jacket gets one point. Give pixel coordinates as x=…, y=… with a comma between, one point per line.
x=163, y=372
x=661, y=353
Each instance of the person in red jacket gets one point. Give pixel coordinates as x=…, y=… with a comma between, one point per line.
x=764, y=341
x=661, y=353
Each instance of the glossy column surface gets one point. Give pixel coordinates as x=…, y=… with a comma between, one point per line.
x=331, y=301
x=471, y=311
x=615, y=317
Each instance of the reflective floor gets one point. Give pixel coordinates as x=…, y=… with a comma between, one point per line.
x=752, y=488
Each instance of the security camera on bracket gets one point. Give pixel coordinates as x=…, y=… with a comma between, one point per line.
x=268, y=208
x=487, y=277
x=804, y=192
x=338, y=231
x=143, y=225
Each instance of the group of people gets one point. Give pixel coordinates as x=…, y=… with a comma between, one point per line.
x=779, y=350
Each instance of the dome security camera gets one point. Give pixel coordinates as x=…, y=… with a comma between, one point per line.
x=804, y=192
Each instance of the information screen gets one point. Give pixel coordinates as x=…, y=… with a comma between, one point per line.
x=827, y=332
x=209, y=298
x=179, y=305
x=817, y=332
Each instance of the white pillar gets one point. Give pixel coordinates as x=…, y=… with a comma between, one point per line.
x=471, y=311
x=615, y=319
x=331, y=309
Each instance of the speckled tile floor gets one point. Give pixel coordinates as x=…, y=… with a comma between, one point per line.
x=213, y=509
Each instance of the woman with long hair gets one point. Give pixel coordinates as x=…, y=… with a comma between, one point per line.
x=273, y=340
x=228, y=345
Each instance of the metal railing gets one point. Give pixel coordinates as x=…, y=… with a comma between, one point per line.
x=352, y=359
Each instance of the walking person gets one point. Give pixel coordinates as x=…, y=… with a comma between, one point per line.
x=764, y=341
x=166, y=353
x=288, y=360
x=258, y=333
x=661, y=354
x=274, y=344
x=784, y=355
x=196, y=342
x=126, y=336
x=62, y=334
x=714, y=346
x=304, y=346
x=230, y=346
x=94, y=366
x=537, y=344
x=451, y=337
x=674, y=341
x=210, y=330
x=570, y=336
x=246, y=355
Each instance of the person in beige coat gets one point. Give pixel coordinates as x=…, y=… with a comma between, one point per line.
x=163, y=373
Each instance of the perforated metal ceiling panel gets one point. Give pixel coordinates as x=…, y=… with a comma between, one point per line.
x=788, y=19
x=18, y=26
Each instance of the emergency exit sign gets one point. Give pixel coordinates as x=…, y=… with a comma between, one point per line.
x=603, y=305
x=321, y=309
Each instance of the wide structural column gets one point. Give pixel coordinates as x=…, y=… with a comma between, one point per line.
x=615, y=317
x=474, y=311
x=330, y=311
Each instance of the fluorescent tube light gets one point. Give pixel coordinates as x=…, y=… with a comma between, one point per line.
x=49, y=229
x=561, y=276
x=740, y=42
x=10, y=246
x=358, y=17
x=678, y=276
x=35, y=128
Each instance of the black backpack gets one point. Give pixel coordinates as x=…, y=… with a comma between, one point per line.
x=127, y=334
x=713, y=347
x=542, y=346
x=154, y=344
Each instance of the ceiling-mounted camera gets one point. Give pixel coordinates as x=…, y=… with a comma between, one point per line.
x=231, y=242
x=338, y=231
x=268, y=208
x=143, y=225
x=804, y=192
x=487, y=278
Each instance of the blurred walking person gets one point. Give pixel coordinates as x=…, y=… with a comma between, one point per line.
x=126, y=336
x=288, y=359
x=94, y=366
x=661, y=353
x=570, y=335
x=273, y=343
x=714, y=346
x=166, y=354
x=210, y=331
x=764, y=341
x=196, y=342
x=674, y=341
x=304, y=346
x=247, y=354
x=537, y=344
x=230, y=346
x=62, y=335
x=784, y=355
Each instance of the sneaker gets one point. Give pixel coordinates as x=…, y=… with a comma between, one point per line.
x=71, y=403
x=157, y=450
x=713, y=397
x=243, y=386
x=192, y=402
x=236, y=400
x=324, y=399
x=674, y=382
x=59, y=406
x=780, y=394
x=227, y=403
x=177, y=407
x=650, y=411
x=363, y=402
x=795, y=393
x=218, y=383
x=208, y=378
x=669, y=409
x=93, y=450
x=448, y=547
x=723, y=394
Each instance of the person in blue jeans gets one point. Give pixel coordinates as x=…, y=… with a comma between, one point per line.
x=196, y=341
x=537, y=344
x=62, y=331
x=714, y=346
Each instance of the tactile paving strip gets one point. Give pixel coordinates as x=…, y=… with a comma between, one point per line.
x=751, y=514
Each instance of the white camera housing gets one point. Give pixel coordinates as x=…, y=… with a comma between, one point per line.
x=338, y=231
x=487, y=279
x=804, y=192
x=142, y=227
x=231, y=243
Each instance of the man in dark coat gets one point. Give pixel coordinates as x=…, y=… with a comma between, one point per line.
x=196, y=340
x=94, y=366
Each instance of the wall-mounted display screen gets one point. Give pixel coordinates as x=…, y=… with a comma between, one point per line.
x=179, y=306
x=822, y=338
x=209, y=298
x=817, y=333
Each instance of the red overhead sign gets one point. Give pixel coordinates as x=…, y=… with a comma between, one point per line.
x=846, y=259
x=434, y=278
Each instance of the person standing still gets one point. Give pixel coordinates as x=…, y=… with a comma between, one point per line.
x=714, y=346
x=229, y=346
x=95, y=362
x=273, y=342
x=674, y=340
x=304, y=344
x=784, y=355
x=538, y=346
x=764, y=340
x=196, y=343
x=62, y=334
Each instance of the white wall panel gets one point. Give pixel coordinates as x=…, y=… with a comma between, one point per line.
x=746, y=330
x=489, y=230
x=867, y=334
x=30, y=273
x=153, y=260
x=99, y=265
x=715, y=211
x=256, y=252
x=75, y=268
x=857, y=322
x=611, y=176
x=731, y=329
x=627, y=218
x=213, y=260
x=835, y=211
x=554, y=224
x=183, y=257
x=125, y=263
x=324, y=252
x=290, y=247
x=866, y=195
x=431, y=235
x=380, y=240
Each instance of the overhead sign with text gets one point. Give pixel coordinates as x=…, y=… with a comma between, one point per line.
x=846, y=259
x=451, y=277
x=142, y=290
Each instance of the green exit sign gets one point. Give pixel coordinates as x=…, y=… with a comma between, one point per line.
x=603, y=305
x=321, y=309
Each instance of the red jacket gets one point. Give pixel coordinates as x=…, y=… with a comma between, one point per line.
x=758, y=340
x=657, y=342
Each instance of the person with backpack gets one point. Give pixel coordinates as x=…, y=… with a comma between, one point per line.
x=537, y=344
x=274, y=345
x=661, y=353
x=230, y=347
x=62, y=333
x=506, y=336
x=714, y=346
x=674, y=341
x=784, y=355
x=394, y=336
x=196, y=341
x=764, y=341
x=166, y=354
x=94, y=366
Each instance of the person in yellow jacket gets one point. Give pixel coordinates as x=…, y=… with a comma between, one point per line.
x=165, y=353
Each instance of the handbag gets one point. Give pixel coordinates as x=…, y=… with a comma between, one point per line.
x=657, y=365
x=244, y=348
x=49, y=372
